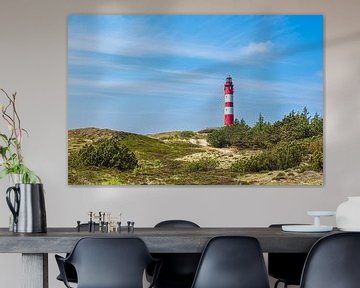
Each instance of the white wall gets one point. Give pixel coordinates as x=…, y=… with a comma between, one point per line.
x=33, y=62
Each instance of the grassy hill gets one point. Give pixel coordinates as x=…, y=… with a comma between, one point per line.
x=177, y=157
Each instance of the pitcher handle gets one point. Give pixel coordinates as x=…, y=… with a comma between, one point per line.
x=13, y=208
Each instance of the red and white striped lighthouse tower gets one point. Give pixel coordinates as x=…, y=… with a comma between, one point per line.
x=229, y=102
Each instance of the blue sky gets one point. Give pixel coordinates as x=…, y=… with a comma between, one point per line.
x=148, y=74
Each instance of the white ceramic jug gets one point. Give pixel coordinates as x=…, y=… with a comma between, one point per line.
x=348, y=214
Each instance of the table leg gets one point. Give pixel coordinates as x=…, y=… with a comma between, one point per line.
x=35, y=270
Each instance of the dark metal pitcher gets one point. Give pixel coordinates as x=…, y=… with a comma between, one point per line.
x=28, y=207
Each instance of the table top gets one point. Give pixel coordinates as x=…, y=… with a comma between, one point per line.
x=158, y=240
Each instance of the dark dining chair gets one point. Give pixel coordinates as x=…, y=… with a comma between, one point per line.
x=286, y=267
x=178, y=269
x=108, y=263
x=232, y=262
x=70, y=271
x=333, y=262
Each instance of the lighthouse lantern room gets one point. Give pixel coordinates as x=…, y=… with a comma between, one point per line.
x=229, y=102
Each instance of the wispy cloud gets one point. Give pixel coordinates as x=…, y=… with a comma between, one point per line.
x=87, y=61
x=258, y=48
x=281, y=86
x=191, y=86
x=143, y=48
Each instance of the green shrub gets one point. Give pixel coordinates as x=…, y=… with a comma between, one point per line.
x=157, y=163
x=139, y=170
x=186, y=134
x=107, y=153
x=315, y=148
x=280, y=157
x=316, y=125
x=304, y=168
x=218, y=138
x=238, y=166
x=205, y=164
x=317, y=161
x=207, y=130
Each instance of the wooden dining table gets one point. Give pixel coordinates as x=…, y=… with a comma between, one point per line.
x=35, y=247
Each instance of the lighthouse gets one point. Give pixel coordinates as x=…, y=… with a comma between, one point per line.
x=229, y=102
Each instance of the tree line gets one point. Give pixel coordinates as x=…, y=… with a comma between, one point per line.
x=294, y=126
x=285, y=143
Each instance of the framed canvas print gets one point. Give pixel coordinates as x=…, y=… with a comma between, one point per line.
x=195, y=99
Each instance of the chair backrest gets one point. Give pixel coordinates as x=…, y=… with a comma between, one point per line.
x=110, y=262
x=176, y=224
x=178, y=269
x=333, y=262
x=232, y=262
x=286, y=266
